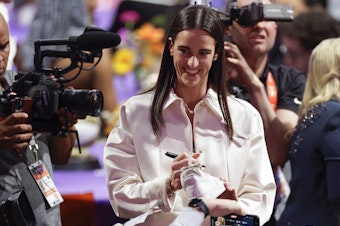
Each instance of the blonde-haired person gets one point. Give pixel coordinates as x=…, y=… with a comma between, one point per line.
x=314, y=150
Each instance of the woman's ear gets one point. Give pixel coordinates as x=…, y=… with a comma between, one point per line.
x=215, y=57
x=171, y=46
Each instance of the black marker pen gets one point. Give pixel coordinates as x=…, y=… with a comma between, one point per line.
x=171, y=154
x=174, y=155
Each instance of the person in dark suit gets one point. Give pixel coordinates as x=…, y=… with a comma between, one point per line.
x=314, y=149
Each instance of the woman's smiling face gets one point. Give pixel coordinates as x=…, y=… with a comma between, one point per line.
x=193, y=52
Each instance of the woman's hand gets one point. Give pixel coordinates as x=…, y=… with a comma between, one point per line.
x=221, y=207
x=229, y=192
x=182, y=160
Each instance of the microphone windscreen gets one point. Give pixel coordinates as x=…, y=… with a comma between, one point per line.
x=95, y=40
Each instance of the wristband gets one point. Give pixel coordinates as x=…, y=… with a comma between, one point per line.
x=198, y=203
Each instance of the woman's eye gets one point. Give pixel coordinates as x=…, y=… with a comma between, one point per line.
x=183, y=51
x=204, y=53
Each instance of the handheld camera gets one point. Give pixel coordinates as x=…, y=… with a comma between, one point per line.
x=255, y=12
x=42, y=92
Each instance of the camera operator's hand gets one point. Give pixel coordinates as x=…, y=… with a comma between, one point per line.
x=240, y=71
x=61, y=147
x=69, y=119
x=15, y=132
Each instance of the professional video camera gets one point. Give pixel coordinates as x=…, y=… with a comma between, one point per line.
x=42, y=92
x=256, y=12
x=253, y=13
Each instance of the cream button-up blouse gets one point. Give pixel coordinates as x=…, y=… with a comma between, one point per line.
x=137, y=167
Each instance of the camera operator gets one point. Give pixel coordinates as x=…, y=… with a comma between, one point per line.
x=28, y=196
x=275, y=91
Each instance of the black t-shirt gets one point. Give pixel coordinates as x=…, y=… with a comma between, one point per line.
x=290, y=85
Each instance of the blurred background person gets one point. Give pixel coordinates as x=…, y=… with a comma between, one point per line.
x=59, y=20
x=299, y=37
x=314, y=149
x=13, y=43
x=333, y=6
x=299, y=6
x=317, y=4
x=53, y=20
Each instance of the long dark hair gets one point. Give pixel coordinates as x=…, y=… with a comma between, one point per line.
x=192, y=17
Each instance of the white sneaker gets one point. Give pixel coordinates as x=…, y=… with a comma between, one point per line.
x=198, y=184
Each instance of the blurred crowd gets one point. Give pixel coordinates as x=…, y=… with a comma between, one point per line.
x=103, y=13
x=134, y=65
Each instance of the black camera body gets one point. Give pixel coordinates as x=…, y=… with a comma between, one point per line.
x=256, y=12
x=41, y=95
x=43, y=92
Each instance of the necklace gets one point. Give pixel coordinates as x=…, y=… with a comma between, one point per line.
x=189, y=110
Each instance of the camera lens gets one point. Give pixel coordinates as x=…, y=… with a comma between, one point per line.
x=82, y=102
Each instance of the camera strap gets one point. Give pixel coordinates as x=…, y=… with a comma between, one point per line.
x=272, y=90
x=43, y=178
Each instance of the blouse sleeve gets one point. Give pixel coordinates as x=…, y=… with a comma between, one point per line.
x=331, y=151
x=129, y=194
x=257, y=188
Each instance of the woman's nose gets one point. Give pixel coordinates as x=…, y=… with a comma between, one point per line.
x=193, y=61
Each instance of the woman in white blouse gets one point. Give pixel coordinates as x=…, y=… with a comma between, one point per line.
x=190, y=113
